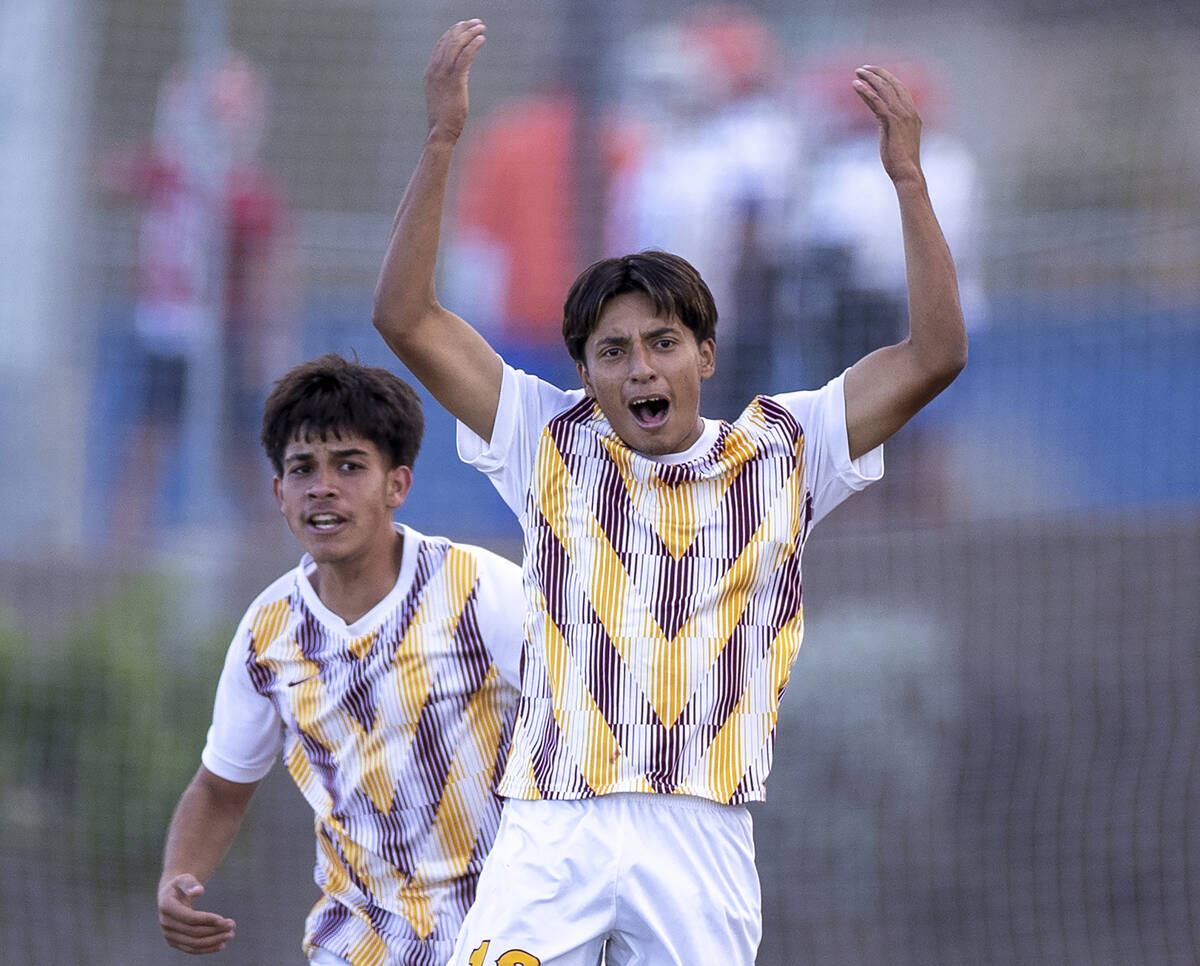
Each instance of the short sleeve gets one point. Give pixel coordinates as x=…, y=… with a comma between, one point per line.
x=830, y=475
x=246, y=734
x=526, y=404
x=502, y=613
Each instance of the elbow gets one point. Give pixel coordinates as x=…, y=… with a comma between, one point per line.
x=941, y=367
x=950, y=363
x=382, y=320
x=950, y=350
x=389, y=327
x=406, y=329
x=957, y=359
x=383, y=315
x=392, y=324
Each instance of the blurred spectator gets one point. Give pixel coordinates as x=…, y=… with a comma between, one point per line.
x=514, y=245
x=852, y=251
x=719, y=177
x=846, y=282
x=216, y=285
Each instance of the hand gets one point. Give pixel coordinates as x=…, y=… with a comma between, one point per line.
x=186, y=928
x=446, y=78
x=899, y=122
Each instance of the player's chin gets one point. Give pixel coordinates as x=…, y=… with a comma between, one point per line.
x=328, y=548
x=652, y=442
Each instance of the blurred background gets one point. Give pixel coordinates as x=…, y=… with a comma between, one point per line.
x=989, y=748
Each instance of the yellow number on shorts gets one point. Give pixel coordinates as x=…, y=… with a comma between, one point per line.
x=514, y=957
x=518, y=957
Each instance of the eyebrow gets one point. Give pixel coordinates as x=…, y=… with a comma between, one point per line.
x=302, y=455
x=625, y=340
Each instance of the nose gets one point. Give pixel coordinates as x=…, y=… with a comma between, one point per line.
x=640, y=363
x=322, y=482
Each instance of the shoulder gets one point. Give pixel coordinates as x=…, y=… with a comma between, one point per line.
x=535, y=398
x=279, y=594
x=812, y=408
x=489, y=586
x=578, y=408
x=281, y=587
x=485, y=563
x=527, y=404
x=775, y=411
x=489, y=565
x=765, y=418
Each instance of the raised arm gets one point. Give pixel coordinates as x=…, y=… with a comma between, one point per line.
x=452, y=360
x=886, y=388
x=207, y=818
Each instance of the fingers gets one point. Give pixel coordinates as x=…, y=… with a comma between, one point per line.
x=188, y=929
x=899, y=122
x=883, y=91
x=446, y=96
x=881, y=76
x=197, y=945
x=457, y=47
x=471, y=38
x=209, y=937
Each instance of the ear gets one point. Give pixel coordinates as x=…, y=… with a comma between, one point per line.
x=399, y=482
x=708, y=358
x=584, y=380
x=277, y=489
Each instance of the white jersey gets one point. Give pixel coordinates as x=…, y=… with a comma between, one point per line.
x=664, y=595
x=395, y=729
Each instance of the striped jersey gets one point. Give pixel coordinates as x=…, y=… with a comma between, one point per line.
x=395, y=729
x=664, y=594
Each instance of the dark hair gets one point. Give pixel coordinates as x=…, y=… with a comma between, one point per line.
x=670, y=282
x=332, y=396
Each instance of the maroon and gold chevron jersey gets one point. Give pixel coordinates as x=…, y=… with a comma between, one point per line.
x=665, y=605
x=395, y=730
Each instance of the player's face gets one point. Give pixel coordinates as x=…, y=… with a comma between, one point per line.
x=338, y=496
x=645, y=372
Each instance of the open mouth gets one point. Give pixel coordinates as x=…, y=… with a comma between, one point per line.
x=322, y=522
x=650, y=412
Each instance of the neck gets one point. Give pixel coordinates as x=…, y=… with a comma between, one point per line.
x=350, y=588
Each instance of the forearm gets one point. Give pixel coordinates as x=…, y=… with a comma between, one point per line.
x=452, y=360
x=405, y=293
x=937, y=336
x=204, y=825
x=886, y=388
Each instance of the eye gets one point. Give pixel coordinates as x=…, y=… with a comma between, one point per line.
x=299, y=469
x=350, y=466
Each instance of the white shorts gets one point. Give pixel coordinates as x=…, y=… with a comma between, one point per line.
x=640, y=879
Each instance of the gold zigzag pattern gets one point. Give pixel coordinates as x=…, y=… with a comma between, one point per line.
x=680, y=664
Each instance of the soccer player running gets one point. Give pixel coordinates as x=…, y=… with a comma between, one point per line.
x=380, y=667
x=661, y=562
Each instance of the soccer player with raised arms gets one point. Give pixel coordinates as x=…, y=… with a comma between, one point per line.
x=661, y=562
x=383, y=667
